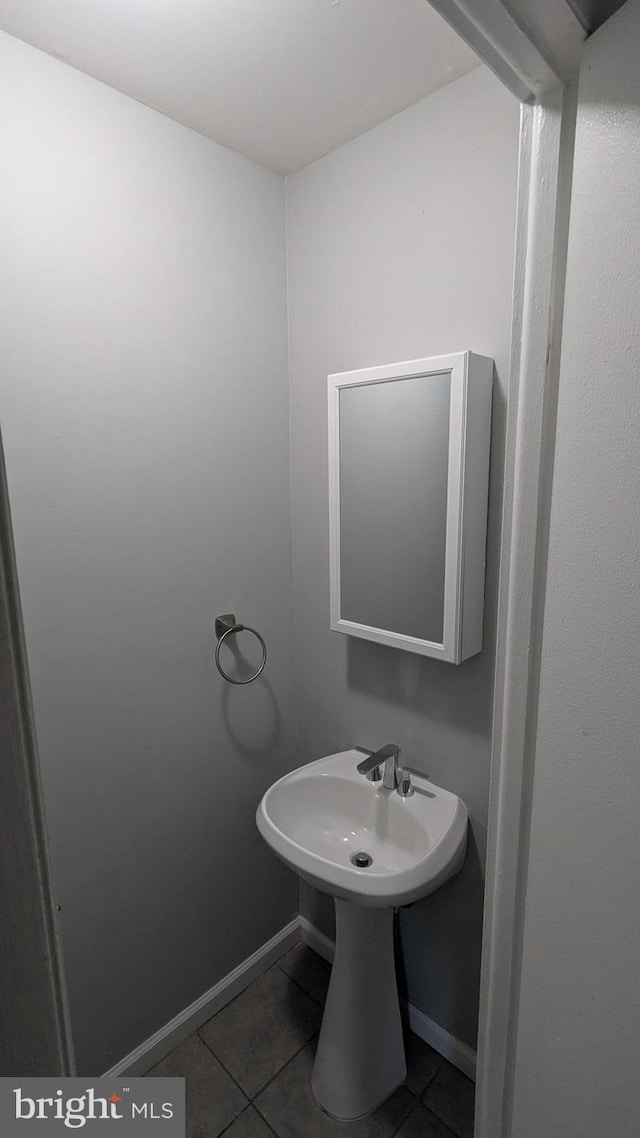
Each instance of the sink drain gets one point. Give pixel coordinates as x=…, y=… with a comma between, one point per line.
x=361, y=859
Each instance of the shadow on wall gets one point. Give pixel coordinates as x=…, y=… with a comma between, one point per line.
x=411, y=681
x=450, y=916
x=254, y=734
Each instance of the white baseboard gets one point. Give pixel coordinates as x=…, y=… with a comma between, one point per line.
x=455, y=1050
x=155, y=1048
x=316, y=940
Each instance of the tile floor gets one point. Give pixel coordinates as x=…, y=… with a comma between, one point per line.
x=248, y=1069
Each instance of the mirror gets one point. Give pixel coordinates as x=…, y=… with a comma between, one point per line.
x=409, y=456
x=394, y=444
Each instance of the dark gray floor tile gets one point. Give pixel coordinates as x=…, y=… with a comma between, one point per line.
x=421, y=1123
x=259, y=1031
x=291, y=1110
x=451, y=1096
x=249, y=1125
x=422, y=1063
x=308, y=970
x=213, y=1099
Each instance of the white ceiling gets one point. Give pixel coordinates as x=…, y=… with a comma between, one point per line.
x=282, y=81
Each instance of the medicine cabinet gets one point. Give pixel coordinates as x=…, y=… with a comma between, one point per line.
x=408, y=484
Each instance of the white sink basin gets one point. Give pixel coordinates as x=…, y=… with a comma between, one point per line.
x=317, y=817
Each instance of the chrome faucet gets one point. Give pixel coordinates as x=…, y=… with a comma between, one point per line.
x=382, y=764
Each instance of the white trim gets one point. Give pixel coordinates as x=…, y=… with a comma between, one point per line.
x=533, y=46
x=542, y=225
x=534, y=49
x=139, y=1061
x=455, y=1050
x=319, y=942
x=471, y=378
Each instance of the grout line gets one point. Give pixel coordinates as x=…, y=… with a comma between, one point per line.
x=406, y=1118
x=300, y=986
x=266, y=1122
x=237, y=1118
x=447, y=1128
x=454, y=1133
x=225, y=1069
x=251, y=1098
x=233, y=1121
x=210, y=1048
x=279, y=1072
x=431, y=1080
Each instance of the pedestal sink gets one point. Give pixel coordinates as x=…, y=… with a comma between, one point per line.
x=372, y=850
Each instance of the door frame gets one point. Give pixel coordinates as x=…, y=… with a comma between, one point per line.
x=536, y=54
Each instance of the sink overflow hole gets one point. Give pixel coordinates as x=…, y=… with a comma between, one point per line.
x=361, y=859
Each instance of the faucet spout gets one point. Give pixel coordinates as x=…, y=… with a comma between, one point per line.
x=387, y=758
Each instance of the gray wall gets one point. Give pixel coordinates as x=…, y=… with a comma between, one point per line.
x=144, y=402
x=401, y=245
x=34, y=1036
x=578, y=1033
x=594, y=12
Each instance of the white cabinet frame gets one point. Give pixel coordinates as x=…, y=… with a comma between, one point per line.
x=467, y=494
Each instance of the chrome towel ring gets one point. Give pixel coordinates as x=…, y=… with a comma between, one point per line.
x=225, y=625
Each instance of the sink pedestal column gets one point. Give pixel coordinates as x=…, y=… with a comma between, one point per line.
x=360, y=1057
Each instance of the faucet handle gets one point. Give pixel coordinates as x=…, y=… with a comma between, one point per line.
x=405, y=785
x=386, y=759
